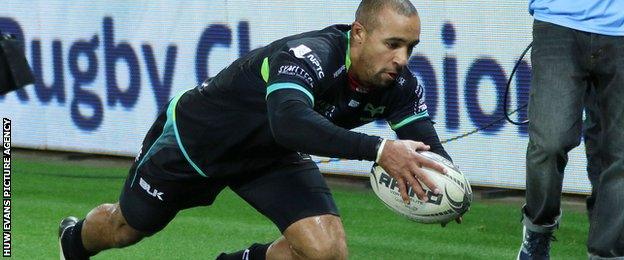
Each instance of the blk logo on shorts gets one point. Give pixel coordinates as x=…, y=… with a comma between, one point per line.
x=146, y=187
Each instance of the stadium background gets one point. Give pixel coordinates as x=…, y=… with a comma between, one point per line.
x=105, y=67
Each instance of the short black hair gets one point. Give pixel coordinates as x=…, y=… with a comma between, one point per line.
x=367, y=11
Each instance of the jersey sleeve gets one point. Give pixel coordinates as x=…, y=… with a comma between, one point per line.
x=409, y=102
x=292, y=75
x=297, y=66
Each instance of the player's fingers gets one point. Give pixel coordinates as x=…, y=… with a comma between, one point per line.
x=416, y=188
x=418, y=146
x=403, y=190
x=419, y=173
x=426, y=162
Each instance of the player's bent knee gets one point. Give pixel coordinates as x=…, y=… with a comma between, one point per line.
x=127, y=236
x=121, y=234
x=320, y=237
x=334, y=248
x=324, y=248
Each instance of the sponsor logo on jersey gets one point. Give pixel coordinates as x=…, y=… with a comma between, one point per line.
x=401, y=81
x=300, y=51
x=317, y=65
x=339, y=71
x=146, y=186
x=353, y=103
x=374, y=110
x=329, y=112
x=304, y=52
x=326, y=109
x=294, y=70
x=420, y=106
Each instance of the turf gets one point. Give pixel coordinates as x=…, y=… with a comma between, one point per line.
x=46, y=191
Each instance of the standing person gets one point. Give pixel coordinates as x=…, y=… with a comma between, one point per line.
x=576, y=45
x=245, y=127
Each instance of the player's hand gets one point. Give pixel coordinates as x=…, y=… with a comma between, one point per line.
x=400, y=159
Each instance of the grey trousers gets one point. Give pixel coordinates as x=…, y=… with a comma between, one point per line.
x=567, y=65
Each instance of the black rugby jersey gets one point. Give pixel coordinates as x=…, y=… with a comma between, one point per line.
x=225, y=125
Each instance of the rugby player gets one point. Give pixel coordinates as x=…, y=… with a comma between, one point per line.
x=250, y=127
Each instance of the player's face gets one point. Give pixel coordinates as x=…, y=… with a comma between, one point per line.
x=387, y=48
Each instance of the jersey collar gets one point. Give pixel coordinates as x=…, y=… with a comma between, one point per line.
x=353, y=83
x=348, y=55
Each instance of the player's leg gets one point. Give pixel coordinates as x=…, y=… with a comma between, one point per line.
x=296, y=198
x=555, y=121
x=147, y=204
x=160, y=183
x=606, y=232
x=318, y=237
x=120, y=224
x=105, y=227
x=107, y=223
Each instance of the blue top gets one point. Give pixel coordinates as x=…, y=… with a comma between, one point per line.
x=595, y=16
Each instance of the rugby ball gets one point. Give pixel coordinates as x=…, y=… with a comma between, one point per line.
x=453, y=201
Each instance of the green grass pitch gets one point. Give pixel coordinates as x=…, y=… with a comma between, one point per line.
x=46, y=191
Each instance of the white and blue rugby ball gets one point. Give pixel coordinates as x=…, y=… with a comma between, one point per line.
x=453, y=201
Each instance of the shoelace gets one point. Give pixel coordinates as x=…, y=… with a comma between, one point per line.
x=538, y=243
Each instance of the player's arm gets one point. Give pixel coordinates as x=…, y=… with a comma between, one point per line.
x=410, y=119
x=400, y=158
x=423, y=131
x=295, y=125
x=291, y=80
x=420, y=127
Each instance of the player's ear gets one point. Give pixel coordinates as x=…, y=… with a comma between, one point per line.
x=358, y=32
